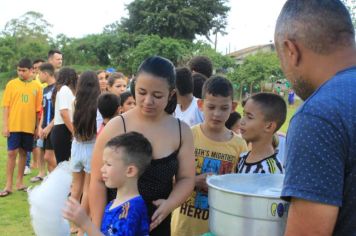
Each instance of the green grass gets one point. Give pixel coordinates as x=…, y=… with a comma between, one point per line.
x=14, y=209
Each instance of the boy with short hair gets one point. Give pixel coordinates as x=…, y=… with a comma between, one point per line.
x=217, y=150
x=109, y=107
x=46, y=75
x=125, y=159
x=264, y=114
x=22, y=104
x=187, y=108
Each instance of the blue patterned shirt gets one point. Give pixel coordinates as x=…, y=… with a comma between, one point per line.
x=128, y=219
x=321, y=150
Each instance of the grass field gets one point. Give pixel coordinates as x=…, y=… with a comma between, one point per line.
x=14, y=210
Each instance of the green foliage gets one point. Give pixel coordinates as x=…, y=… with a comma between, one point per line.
x=182, y=19
x=258, y=68
x=27, y=36
x=221, y=63
x=112, y=48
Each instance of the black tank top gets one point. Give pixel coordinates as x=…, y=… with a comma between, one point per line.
x=157, y=183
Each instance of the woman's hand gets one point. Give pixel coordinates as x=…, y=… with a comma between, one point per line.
x=162, y=211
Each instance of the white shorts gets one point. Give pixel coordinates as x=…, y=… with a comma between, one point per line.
x=81, y=155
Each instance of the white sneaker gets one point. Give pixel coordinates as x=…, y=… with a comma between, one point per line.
x=27, y=170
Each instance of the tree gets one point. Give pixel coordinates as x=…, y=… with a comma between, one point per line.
x=27, y=36
x=255, y=70
x=181, y=19
x=29, y=25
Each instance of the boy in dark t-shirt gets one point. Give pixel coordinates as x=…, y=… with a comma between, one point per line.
x=46, y=75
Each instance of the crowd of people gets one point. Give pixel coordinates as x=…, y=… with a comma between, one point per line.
x=141, y=149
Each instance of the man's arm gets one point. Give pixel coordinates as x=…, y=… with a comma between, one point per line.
x=310, y=218
x=5, y=129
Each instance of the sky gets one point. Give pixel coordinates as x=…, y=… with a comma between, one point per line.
x=250, y=22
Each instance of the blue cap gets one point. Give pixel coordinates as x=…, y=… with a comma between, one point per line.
x=110, y=70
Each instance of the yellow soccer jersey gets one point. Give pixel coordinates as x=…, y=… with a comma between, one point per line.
x=211, y=156
x=24, y=100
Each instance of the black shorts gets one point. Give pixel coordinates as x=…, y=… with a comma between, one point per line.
x=61, y=139
x=47, y=144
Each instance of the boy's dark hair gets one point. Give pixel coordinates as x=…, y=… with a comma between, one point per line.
x=124, y=96
x=137, y=149
x=37, y=61
x=273, y=107
x=198, y=82
x=201, y=64
x=48, y=68
x=184, y=81
x=114, y=76
x=52, y=52
x=233, y=118
x=108, y=103
x=25, y=63
x=218, y=86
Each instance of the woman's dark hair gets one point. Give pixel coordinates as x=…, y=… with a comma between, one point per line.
x=66, y=76
x=85, y=106
x=114, y=76
x=124, y=96
x=163, y=68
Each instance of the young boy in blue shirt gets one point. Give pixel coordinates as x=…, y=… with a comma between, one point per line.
x=264, y=114
x=125, y=159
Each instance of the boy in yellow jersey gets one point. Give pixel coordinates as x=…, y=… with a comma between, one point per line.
x=217, y=150
x=21, y=103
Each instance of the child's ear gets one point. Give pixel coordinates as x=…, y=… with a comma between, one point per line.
x=119, y=110
x=270, y=126
x=131, y=171
x=200, y=104
x=172, y=93
x=234, y=106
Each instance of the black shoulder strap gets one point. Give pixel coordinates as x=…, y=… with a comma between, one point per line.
x=180, y=134
x=123, y=122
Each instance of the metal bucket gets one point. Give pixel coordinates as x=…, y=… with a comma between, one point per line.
x=247, y=204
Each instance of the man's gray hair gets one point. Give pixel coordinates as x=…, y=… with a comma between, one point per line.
x=320, y=25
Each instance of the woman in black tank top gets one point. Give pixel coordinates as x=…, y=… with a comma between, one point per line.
x=155, y=99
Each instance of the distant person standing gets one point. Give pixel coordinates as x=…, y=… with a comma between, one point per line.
x=187, y=108
x=55, y=57
x=315, y=41
x=63, y=97
x=21, y=103
x=291, y=96
x=47, y=122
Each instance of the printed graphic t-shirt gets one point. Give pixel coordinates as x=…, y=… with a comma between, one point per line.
x=127, y=219
x=211, y=157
